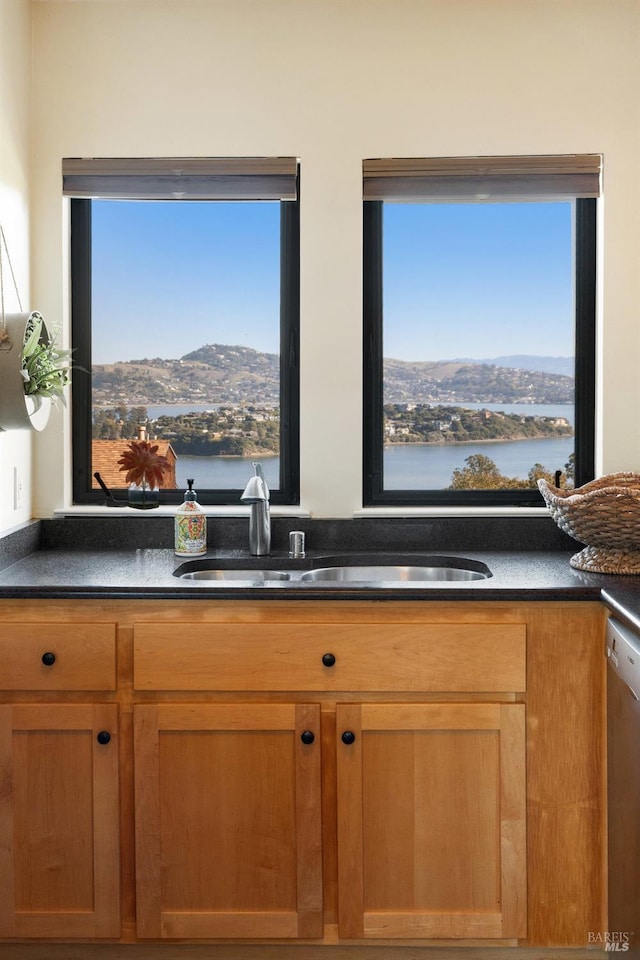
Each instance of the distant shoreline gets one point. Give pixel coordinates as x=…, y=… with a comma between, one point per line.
x=229, y=456
x=461, y=443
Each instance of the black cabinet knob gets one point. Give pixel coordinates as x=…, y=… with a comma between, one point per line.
x=48, y=659
x=348, y=737
x=103, y=737
x=328, y=659
x=307, y=736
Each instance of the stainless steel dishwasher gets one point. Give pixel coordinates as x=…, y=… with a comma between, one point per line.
x=623, y=775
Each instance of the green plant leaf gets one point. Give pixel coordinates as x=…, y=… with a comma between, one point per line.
x=45, y=368
x=32, y=336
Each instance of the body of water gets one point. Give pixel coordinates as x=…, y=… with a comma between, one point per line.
x=225, y=472
x=425, y=466
x=410, y=466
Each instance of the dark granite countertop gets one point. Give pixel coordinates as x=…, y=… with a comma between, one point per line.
x=148, y=574
x=69, y=560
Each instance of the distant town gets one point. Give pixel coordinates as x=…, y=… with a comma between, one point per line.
x=229, y=431
x=424, y=423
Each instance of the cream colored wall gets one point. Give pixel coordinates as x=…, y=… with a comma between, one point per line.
x=334, y=81
x=15, y=105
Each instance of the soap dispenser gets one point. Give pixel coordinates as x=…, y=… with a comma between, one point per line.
x=190, y=526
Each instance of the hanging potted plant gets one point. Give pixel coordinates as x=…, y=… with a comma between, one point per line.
x=144, y=468
x=45, y=368
x=33, y=370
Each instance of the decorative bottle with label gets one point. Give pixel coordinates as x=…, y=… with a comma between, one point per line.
x=190, y=526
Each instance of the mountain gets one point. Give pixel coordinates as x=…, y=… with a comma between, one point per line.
x=234, y=375
x=215, y=373
x=459, y=381
x=524, y=361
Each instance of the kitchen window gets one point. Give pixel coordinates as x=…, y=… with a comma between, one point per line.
x=479, y=328
x=185, y=322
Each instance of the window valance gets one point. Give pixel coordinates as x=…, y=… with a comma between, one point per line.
x=453, y=179
x=155, y=178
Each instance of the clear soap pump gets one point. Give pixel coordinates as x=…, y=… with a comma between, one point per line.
x=190, y=526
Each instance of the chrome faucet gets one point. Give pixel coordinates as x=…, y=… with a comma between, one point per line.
x=256, y=493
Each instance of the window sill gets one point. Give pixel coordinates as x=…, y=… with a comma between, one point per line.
x=168, y=510
x=400, y=512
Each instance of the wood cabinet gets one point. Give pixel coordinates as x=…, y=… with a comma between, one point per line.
x=228, y=832
x=406, y=657
x=467, y=806
x=431, y=820
x=59, y=846
x=58, y=656
x=59, y=796
x=425, y=792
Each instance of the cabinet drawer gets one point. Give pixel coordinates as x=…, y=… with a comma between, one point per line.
x=57, y=656
x=366, y=656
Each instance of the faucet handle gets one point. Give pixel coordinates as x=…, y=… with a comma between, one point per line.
x=257, y=466
x=256, y=490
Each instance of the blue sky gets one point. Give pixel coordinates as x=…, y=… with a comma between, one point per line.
x=170, y=277
x=477, y=280
x=466, y=280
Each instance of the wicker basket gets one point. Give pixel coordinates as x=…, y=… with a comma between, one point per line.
x=605, y=515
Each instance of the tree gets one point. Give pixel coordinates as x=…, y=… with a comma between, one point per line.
x=480, y=473
x=137, y=415
x=538, y=472
x=570, y=470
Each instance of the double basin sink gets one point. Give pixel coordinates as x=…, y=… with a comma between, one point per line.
x=340, y=571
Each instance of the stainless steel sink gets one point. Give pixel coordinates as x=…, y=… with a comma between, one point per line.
x=340, y=570
x=380, y=573
x=252, y=576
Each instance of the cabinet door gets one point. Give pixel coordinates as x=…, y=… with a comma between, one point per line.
x=431, y=820
x=228, y=831
x=59, y=815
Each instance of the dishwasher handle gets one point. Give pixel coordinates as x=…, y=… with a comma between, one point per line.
x=623, y=655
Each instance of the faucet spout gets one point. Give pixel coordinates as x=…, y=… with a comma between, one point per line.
x=256, y=493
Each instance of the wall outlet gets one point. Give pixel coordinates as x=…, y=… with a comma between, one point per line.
x=18, y=491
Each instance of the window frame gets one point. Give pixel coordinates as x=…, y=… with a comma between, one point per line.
x=81, y=405
x=374, y=494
